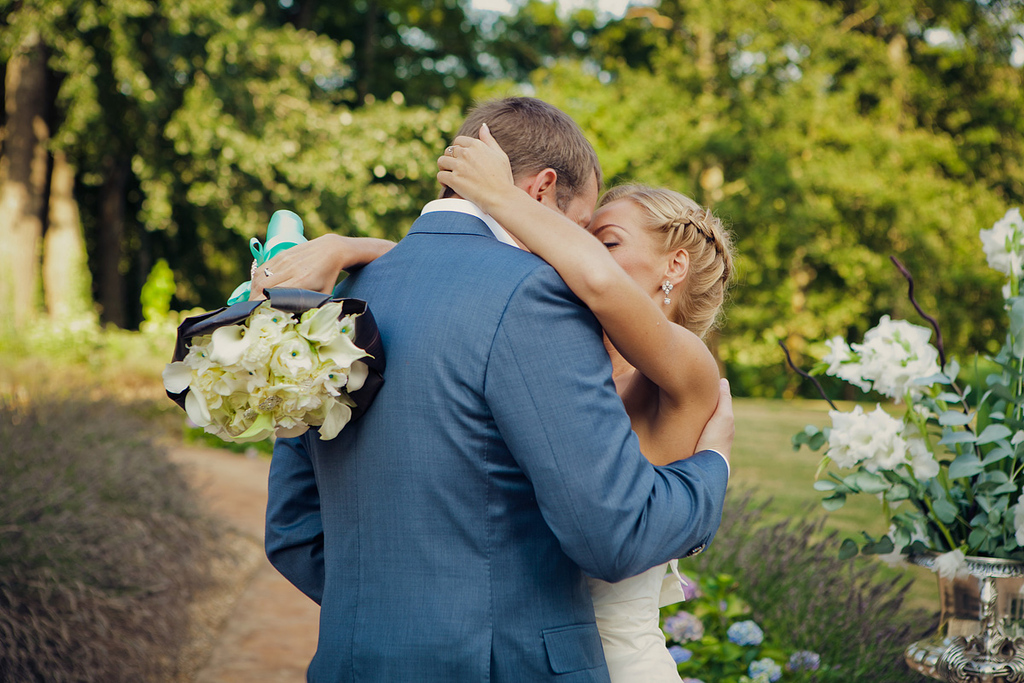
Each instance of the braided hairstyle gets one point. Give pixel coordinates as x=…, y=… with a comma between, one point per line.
x=684, y=224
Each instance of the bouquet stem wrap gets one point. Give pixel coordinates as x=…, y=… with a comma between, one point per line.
x=291, y=302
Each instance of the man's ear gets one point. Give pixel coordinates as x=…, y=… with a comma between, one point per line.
x=678, y=267
x=543, y=187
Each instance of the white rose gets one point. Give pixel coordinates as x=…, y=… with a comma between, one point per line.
x=870, y=438
x=1003, y=244
x=293, y=357
x=952, y=564
x=894, y=355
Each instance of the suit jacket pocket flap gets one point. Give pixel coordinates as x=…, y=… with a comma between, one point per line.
x=573, y=648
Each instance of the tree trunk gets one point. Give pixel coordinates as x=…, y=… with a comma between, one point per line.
x=23, y=177
x=67, y=284
x=110, y=243
x=369, y=53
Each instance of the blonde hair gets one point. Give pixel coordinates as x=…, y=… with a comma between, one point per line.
x=684, y=224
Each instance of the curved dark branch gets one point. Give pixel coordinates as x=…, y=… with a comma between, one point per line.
x=931, y=321
x=807, y=375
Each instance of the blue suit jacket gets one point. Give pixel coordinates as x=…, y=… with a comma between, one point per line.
x=444, y=532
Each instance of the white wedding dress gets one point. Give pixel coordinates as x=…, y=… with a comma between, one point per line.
x=628, y=619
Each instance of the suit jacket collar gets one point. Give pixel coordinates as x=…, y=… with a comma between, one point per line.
x=445, y=207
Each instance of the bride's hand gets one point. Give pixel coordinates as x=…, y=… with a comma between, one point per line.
x=719, y=431
x=476, y=169
x=313, y=265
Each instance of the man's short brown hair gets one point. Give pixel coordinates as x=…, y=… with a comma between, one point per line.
x=536, y=135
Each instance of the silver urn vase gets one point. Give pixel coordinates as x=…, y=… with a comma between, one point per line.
x=981, y=625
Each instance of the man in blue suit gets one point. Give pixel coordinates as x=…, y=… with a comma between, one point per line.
x=446, y=533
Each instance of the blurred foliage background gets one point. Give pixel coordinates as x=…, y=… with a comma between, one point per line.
x=145, y=141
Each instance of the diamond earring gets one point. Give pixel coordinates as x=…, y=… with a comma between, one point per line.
x=667, y=287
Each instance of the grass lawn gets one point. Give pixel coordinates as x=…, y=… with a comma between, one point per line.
x=764, y=462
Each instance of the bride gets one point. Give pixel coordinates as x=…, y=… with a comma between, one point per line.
x=655, y=277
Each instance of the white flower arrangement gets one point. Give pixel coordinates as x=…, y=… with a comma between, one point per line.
x=949, y=467
x=272, y=373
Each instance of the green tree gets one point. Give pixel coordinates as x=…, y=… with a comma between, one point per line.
x=804, y=134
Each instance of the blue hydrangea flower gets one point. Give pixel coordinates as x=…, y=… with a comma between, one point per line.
x=745, y=633
x=684, y=627
x=803, y=660
x=680, y=654
x=765, y=668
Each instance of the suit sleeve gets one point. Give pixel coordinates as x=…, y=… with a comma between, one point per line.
x=294, y=538
x=549, y=388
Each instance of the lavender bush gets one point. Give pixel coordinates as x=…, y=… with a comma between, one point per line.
x=789, y=574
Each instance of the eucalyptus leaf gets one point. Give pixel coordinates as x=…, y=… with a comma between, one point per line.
x=848, y=549
x=951, y=437
x=817, y=441
x=952, y=369
x=897, y=492
x=977, y=537
x=824, y=485
x=948, y=397
x=882, y=546
x=1017, y=317
x=834, y=502
x=996, y=454
x=967, y=465
x=869, y=482
x=955, y=418
x=994, y=432
x=944, y=510
x=1008, y=487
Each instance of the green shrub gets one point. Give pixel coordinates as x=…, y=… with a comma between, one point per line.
x=790, y=575
x=100, y=547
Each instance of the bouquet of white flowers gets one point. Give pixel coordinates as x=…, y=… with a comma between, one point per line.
x=947, y=464
x=295, y=361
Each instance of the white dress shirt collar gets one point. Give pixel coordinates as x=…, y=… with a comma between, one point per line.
x=468, y=207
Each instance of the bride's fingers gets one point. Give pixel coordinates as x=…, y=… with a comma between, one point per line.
x=447, y=163
x=488, y=139
x=464, y=141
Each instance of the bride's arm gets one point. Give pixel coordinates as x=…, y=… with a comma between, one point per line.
x=316, y=264
x=671, y=356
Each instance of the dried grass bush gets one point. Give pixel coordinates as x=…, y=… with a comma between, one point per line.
x=791, y=575
x=100, y=545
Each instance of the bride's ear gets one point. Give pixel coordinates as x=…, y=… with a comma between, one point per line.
x=678, y=267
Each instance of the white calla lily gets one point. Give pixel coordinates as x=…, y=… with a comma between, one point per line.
x=342, y=352
x=228, y=344
x=357, y=375
x=337, y=416
x=197, y=409
x=320, y=324
x=176, y=377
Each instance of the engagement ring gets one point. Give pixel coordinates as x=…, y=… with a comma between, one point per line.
x=449, y=151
